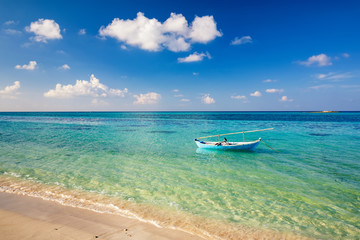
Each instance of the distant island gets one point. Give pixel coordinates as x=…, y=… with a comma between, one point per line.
x=325, y=112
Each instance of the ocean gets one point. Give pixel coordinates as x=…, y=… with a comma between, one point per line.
x=145, y=165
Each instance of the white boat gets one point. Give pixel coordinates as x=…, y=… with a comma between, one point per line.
x=225, y=145
x=228, y=145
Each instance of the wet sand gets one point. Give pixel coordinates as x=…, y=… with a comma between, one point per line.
x=23, y=217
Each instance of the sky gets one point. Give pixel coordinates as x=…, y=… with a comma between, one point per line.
x=179, y=56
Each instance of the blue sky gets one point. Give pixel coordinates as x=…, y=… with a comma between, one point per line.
x=179, y=56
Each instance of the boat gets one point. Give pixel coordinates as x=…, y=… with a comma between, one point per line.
x=225, y=145
x=228, y=145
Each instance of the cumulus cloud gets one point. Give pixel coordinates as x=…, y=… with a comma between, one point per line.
x=82, y=31
x=195, y=73
x=207, y=99
x=142, y=32
x=242, y=40
x=256, y=94
x=91, y=88
x=10, y=91
x=31, y=66
x=175, y=90
x=203, y=29
x=195, y=57
x=44, y=29
x=321, y=60
x=176, y=23
x=185, y=100
x=286, y=99
x=147, y=98
x=273, y=90
x=238, y=97
x=65, y=67
x=152, y=35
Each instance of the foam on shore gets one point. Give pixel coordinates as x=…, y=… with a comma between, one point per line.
x=161, y=218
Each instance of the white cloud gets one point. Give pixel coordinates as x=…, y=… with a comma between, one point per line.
x=269, y=80
x=31, y=66
x=203, y=29
x=61, y=52
x=333, y=76
x=207, y=99
x=242, y=40
x=321, y=60
x=346, y=55
x=177, y=44
x=118, y=92
x=177, y=95
x=195, y=73
x=10, y=91
x=286, y=99
x=176, y=23
x=10, y=22
x=323, y=86
x=91, y=88
x=82, y=31
x=123, y=47
x=99, y=102
x=195, y=57
x=256, y=94
x=238, y=97
x=273, y=90
x=147, y=98
x=152, y=35
x=322, y=76
x=185, y=100
x=44, y=29
x=142, y=32
x=65, y=67
x=12, y=32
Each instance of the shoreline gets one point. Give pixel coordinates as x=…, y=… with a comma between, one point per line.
x=44, y=197
x=25, y=217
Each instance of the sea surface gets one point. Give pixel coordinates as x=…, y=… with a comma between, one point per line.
x=146, y=165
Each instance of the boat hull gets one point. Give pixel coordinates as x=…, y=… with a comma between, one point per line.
x=229, y=146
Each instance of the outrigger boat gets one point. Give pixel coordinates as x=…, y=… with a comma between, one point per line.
x=225, y=145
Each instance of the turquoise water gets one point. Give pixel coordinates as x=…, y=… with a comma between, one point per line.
x=311, y=188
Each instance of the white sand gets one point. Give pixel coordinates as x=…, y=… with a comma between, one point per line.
x=23, y=217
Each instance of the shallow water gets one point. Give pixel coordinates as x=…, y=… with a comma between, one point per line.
x=136, y=159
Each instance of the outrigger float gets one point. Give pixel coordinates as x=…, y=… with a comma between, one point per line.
x=225, y=145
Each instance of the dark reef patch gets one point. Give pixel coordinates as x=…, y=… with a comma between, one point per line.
x=320, y=134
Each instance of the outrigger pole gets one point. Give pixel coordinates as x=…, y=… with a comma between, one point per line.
x=218, y=135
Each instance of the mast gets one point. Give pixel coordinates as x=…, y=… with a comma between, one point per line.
x=243, y=132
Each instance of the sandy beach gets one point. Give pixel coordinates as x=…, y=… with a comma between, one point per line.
x=23, y=217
